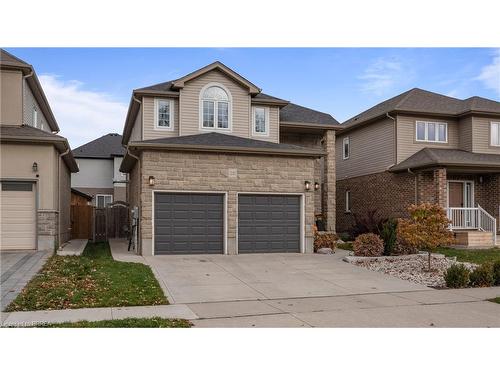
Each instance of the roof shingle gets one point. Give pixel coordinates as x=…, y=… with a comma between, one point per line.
x=105, y=147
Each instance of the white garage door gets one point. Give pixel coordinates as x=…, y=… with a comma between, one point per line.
x=17, y=220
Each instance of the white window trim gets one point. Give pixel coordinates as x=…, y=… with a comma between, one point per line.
x=229, y=128
x=170, y=126
x=344, y=141
x=102, y=195
x=426, y=132
x=347, y=201
x=35, y=117
x=266, y=113
x=491, y=133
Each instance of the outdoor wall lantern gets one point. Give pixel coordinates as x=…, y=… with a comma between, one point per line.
x=316, y=186
x=307, y=185
x=34, y=167
x=151, y=180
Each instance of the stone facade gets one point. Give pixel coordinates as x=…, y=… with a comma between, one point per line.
x=329, y=184
x=120, y=193
x=230, y=173
x=387, y=193
x=47, y=230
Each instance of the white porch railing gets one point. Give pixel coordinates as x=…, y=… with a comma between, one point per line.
x=472, y=218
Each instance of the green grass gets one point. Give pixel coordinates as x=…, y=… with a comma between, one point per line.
x=472, y=256
x=496, y=300
x=125, y=323
x=345, y=246
x=91, y=280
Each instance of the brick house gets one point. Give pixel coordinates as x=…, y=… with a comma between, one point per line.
x=423, y=147
x=216, y=166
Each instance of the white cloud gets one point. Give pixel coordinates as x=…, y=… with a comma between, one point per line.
x=490, y=74
x=82, y=115
x=383, y=75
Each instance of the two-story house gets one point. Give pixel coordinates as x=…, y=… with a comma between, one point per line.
x=35, y=163
x=423, y=147
x=215, y=166
x=99, y=176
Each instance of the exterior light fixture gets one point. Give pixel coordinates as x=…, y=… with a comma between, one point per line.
x=151, y=180
x=316, y=186
x=34, y=167
x=307, y=185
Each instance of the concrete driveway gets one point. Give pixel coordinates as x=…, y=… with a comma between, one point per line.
x=216, y=278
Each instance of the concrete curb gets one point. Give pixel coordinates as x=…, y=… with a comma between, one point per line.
x=32, y=318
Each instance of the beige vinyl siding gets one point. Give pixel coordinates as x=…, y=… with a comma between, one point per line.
x=136, y=133
x=407, y=144
x=190, y=105
x=372, y=150
x=465, y=134
x=481, y=136
x=11, y=98
x=29, y=104
x=148, y=113
x=273, y=135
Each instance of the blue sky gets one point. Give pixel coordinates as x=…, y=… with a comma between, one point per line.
x=89, y=88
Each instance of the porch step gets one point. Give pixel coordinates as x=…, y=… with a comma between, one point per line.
x=474, y=239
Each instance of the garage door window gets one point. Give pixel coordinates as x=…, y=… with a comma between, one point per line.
x=17, y=186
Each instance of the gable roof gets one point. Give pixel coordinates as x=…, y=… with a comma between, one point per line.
x=434, y=157
x=219, y=143
x=105, y=147
x=296, y=114
x=421, y=101
x=9, y=61
x=28, y=134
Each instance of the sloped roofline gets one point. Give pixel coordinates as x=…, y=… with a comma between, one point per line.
x=180, y=82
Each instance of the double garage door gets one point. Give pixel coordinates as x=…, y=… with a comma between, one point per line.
x=17, y=216
x=194, y=223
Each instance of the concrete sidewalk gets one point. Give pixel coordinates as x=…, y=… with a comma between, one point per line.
x=31, y=318
x=119, y=251
x=73, y=247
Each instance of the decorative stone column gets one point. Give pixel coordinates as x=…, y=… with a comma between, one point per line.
x=329, y=199
x=440, y=186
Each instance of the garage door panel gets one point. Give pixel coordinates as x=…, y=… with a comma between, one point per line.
x=268, y=223
x=189, y=223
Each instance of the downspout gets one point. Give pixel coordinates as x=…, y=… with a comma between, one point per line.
x=59, y=194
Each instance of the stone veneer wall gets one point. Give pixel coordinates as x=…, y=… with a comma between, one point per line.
x=388, y=193
x=47, y=229
x=197, y=171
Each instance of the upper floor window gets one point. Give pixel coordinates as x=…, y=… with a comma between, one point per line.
x=35, y=118
x=102, y=200
x=428, y=131
x=495, y=133
x=260, y=121
x=215, y=108
x=164, y=114
x=346, y=148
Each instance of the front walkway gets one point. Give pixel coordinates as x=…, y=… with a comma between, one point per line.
x=17, y=268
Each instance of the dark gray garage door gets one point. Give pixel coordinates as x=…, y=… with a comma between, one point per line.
x=189, y=223
x=268, y=223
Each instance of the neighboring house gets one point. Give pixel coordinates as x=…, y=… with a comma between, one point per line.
x=422, y=147
x=36, y=164
x=79, y=198
x=99, y=162
x=216, y=166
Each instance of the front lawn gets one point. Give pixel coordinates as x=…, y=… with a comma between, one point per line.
x=91, y=280
x=472, y=256
x=125, y=323
x=496, y=300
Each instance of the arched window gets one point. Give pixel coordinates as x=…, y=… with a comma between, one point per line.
x=215, y=108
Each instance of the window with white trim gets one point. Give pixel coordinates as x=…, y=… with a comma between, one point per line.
x=215, y=108
x=35, y=118
x=260, y=121
x=347, y=201
x=102, y=200
x=164, y=114
x=346, y=148
x=495, y=133
x=430, y=131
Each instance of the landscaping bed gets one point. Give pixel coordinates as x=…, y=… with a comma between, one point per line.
x=410, y=267
x=93, y=279
x=125, y=323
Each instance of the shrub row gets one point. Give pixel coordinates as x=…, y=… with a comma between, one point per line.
x=459, y=276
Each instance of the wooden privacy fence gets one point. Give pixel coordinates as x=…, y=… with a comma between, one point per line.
x=99, y=224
